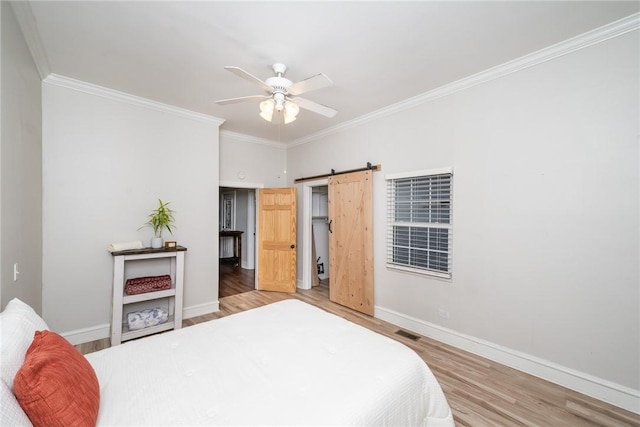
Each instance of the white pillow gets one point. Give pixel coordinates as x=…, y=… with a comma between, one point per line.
x=18, y=324
x=11, y=414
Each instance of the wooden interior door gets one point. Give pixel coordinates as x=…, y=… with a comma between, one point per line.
x=351, y=241
x=277, y=239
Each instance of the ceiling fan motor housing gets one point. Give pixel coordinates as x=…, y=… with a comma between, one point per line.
x=279, y=84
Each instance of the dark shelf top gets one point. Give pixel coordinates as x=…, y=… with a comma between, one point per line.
x=148, y=251
x=226, y=233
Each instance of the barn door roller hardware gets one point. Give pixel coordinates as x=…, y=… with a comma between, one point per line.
x=374, y=168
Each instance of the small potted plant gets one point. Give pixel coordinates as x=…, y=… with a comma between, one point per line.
x=159, y=219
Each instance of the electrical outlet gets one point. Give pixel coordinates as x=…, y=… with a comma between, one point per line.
x=443, y=313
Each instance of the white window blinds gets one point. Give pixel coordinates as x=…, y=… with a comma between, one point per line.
x=419, y=230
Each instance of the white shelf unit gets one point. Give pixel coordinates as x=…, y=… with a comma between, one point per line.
x=175, y=257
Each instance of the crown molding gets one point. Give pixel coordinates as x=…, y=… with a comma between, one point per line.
x=252, y=139
x=598, y=35
x=27, y=24
x=115, y=95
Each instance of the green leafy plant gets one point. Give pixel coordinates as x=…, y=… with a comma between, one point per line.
x=161, y=218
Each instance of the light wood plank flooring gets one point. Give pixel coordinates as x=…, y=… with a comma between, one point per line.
x=479, y=391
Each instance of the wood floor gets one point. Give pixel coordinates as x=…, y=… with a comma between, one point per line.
x=235, y=280
x=479, y=391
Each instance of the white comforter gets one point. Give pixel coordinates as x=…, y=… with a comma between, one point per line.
x=287, y=363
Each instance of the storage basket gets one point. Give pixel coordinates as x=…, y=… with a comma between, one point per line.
x=141, y=285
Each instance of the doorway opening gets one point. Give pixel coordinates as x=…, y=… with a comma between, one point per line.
x=320, y=235
x=315, y=227
x=237, y=246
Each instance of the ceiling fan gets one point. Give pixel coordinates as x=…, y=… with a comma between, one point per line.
x=282, y=103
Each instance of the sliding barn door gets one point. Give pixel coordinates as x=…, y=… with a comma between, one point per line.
x=277, y=239
x=351, y=241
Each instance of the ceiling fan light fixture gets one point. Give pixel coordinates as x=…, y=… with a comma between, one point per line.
x=266, y=109
x=291, y=110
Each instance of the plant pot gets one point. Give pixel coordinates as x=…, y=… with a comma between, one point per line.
x=156, y=242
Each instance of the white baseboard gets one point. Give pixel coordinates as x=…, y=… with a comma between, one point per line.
x=615, y=394
x=300, y=284
x=245, y=266
x=94, y=333
x=200, y=309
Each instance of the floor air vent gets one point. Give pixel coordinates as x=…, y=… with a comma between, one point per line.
x=406, y=334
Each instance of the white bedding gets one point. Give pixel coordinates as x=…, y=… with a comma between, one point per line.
x=287, y=363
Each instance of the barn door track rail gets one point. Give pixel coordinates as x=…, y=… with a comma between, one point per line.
x=374, y=168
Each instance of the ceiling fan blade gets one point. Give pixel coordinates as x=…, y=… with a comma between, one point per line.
x=315, y=107
x=312, y=83
x=241, y=99
x=248, y=76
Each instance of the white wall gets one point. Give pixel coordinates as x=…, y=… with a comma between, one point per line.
x=21, y=168
x=107, y=158
x=545, y=213
x=246, y=160
x=247, y=163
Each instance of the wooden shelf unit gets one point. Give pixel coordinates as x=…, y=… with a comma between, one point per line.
x=175, y=256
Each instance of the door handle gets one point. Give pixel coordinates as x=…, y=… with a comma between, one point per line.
x=293, y=246
x=329, y=225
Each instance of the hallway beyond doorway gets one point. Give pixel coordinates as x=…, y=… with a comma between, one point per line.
x=235, y=280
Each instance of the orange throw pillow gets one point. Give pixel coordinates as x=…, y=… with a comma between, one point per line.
x=56, y=385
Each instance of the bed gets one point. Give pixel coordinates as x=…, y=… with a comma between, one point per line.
x=286, y=363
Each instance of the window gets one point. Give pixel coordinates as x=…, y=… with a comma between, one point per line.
x=419, y=221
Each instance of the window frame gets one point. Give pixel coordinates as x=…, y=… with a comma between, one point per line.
x=393, y=224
